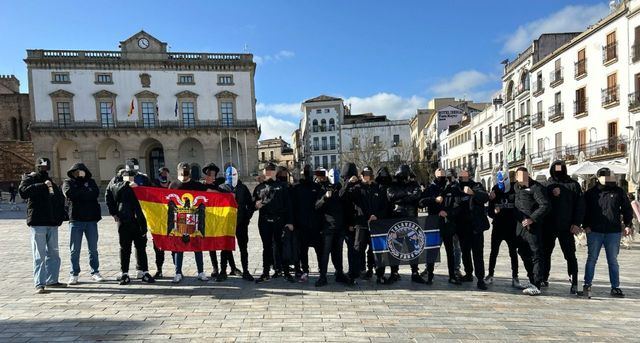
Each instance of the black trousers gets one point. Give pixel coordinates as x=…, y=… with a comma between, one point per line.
x=531, y=252
x=498, y=235
x=128, y=234
x=333, y=240
x=353, y=255
x=271, y=235
x=310, y=240
x=447, y=240
x=472, y=245
x=242, y=236
x=568, y=246
x=214, y=261
x=159, y=257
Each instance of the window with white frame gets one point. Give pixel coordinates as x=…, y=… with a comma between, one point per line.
x=63, y=113
x=188, y=114
x=148, y=114
x=104, y=78
x=185, y=79
x=106, y=114
x=60, y=77
x=226, y=113
x=225, y=80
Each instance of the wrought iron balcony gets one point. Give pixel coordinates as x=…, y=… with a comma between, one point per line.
x=537, y=121
x=580, y=108
x=555, y=77
x=610, y=96
x=538, y=87
x=556, y=112
x=610, y=53
x=580, y=68
x=634, y=101
x=635, y=52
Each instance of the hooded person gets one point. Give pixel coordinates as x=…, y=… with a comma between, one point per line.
x=45, y=213
x=306, y=219
x=349, y=174
x=502, y=210
x=605, y=204
x=132, y=225
x=82, y=193
x=563, y=222
x=162, y=181
x=531, y=208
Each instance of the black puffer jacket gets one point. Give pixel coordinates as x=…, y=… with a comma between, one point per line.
x=82, y=195
x=122, y=202
x=331, y=208
x=531, y=202
x=468, y=208
x=568, y=207
x=246, y=206
x=367, y=199
x=604, y=207
x=404, y=197
x=43, y=208
x=304, y=196
x=428, y=198
x=505, y=220
x=276, y=200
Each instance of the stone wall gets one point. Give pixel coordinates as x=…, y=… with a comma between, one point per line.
x=15, y=116
x=17, y=158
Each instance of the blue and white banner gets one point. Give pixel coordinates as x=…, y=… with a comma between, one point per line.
x=406, y=240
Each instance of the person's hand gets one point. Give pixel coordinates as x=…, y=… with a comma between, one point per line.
x=439, y=199
x=372, y=218
x=527, y=222
x=259, y=204
x=556, y=192
x=497, y=210
x=351, y=228
x=467, y=190
x=212, y=190
x=353, y=179
x=575, y=229
x=116, y=218
x=492, y=195
x=133, y=184
x=208, y=180
x=443, y=214
x=328, y=194
x=587, y=230
x=289, y=227
x=627, y=231
x=48, y=183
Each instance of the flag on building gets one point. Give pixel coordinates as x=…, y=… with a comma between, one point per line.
x=406, y=240
x=189, y=220
x=131, y=108
x=157, y=111
x=175, y=110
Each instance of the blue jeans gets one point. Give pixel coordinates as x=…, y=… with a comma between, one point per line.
x=178, y=257
x=90, y=230
x=46, y=255
x=611, y=243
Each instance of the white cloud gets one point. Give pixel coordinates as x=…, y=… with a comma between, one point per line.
x=468, y=84
x=288, y=109
x=273, y=127
x=277, y=57
x=573, y=18
x=389, y=104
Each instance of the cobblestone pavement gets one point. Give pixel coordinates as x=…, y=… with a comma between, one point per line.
x=238, y=311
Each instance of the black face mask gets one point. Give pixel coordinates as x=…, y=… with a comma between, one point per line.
x=441, y=180
x=43, y=173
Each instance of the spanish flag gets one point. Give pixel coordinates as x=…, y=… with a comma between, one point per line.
x=182, y=220
x=131, y=108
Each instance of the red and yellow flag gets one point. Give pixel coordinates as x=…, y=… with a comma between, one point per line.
x=182, y=220
x=131, y=108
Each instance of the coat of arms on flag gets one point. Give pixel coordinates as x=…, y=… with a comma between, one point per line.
x=189, y=220
x=405, y=240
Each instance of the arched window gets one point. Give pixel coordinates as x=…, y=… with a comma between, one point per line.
x=332, y=124
x=315, y=125
x=323, y=125
x=524, y=82
x=510, y=91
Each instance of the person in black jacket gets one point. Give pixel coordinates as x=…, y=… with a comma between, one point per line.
x=605, y=204
x=404, y=195
x=563, y=222
x=271, y=198
x=45, y=212
x=307, y=220
x=82, y=193
x=438, y=199
x=370, y=203
x=502, y=211
x=132, y=225
x=331, y=207
x=245, y=212
x=163, y=181
x=350, y=173
x=531, y=208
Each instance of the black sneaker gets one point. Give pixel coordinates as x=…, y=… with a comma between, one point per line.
x=617, y=293
x=369, y=274
x=235, y=271
x=573, y=289
x=215, y=273
x=544, y=284
x=381, y=280
x=415, y=277
x=158, y=274
x=247, y=276
x=264, y=277
x=148, y=278
x=276, y=274
x=57, y=285
x=482, y=285
x=430, y=278
x=289, y=278
x=343, y=278
x=125, y=279
x=394, y=277
x=322, y=281
x=455, y=281
x=467, y=278
x=221, y=277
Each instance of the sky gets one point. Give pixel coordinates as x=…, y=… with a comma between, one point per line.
x=385, y=57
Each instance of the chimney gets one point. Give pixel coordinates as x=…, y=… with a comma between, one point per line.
x=9, y=84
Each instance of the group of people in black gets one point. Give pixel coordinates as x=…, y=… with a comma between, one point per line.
x=324, y=212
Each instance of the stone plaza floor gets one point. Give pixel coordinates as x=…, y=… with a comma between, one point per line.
x=241, y=311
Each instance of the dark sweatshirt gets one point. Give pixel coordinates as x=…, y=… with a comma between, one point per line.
x=82, y=195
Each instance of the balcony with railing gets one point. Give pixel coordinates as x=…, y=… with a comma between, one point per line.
x=538, y=120
x=556, y=78
x=538, y=87
x=34, y=54
x=635, y=52
x=634, y=101
x=609, y=148
x=580, y=108
x=147, y=124
x=580, y=69
x=523, y=122
x=610, y=96
x=509, y=128
x=610, y=53
x=556, y=112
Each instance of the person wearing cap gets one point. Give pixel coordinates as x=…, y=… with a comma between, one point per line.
x=563, y=222
x=132, y=225
x=210, y=172
x=82, y=193
x=531, y=206
x=331, y=207
x=306, y=219
x=162, y=181
x=185, y=182
x=605, y=204
x=45, y=213
x=272, y=200
x=370, y=204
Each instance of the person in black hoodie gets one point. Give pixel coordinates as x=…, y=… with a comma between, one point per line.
x=163, y=181
x=272, y=199
x=563, y=222
x=82, y=193
x=45, y=212
x=384, y=180
x=532, y=206
x=502, y=211
x=350, y=173
x=331, y=207
x=132, y=225
x=605, y=204
x=370, y=203
x=404, y=195
x=307, y=220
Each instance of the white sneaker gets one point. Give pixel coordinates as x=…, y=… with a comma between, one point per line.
x=97, y=277
x=532, y=290
x=177, y=278
x=139, y=274
x=73, y=280
x=203, y=276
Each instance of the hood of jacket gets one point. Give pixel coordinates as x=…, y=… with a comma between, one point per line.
x=78, y=166
x=558, y=175
x=349, y=170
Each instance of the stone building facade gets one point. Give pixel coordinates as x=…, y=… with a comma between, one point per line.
x=101, y=107
x=16, y=149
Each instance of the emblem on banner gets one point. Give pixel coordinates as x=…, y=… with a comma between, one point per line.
x=405, y=240
x=185, y=216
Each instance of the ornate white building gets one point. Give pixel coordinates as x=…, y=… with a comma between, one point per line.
x=101, y=107
x=320, y=131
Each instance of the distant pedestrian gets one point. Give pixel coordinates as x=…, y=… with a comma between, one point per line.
x=12, y=193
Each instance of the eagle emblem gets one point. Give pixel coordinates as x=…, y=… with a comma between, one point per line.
x=185, y=216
